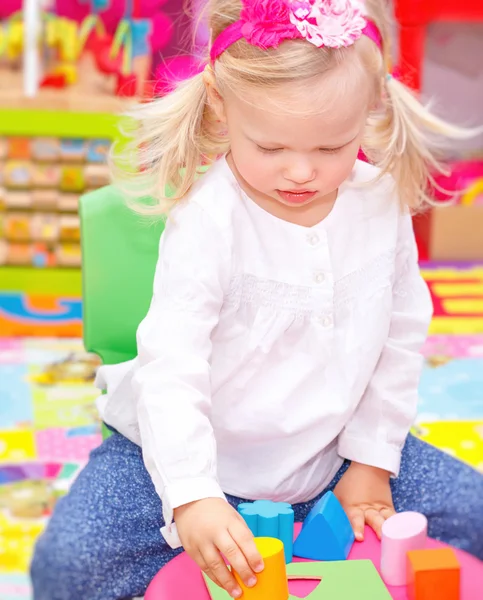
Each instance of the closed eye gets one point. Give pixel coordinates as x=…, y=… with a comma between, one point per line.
x=268, y=150
x=331, y=150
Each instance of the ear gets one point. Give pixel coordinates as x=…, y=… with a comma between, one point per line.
x=215, y=99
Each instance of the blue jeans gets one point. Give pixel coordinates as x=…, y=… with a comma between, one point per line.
x=103, y=541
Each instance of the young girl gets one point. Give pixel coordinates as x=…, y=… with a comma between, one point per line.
x=280, y=355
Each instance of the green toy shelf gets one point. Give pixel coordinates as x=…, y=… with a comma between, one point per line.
x=48, y=159
x=62, y=124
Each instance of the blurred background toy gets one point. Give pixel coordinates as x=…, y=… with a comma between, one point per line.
x=446, y=233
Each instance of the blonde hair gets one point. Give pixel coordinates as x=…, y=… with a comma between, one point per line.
x=170, y=137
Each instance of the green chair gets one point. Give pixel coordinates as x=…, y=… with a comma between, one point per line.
x=119, y=254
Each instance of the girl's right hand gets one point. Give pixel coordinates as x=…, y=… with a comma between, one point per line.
x=211, y=526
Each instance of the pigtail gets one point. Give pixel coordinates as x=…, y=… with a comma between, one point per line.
x=164, y=144
x=404, y=139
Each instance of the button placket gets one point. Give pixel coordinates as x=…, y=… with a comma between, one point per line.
x=319, y=277
x=319, y=263
x=326, y=321
x=313, y=239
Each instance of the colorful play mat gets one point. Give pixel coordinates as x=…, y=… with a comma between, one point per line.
x=48, y=423
x=48, y=426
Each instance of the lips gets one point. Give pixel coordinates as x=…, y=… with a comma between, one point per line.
x=296, y=196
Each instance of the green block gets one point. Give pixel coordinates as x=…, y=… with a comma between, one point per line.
x=340, y=580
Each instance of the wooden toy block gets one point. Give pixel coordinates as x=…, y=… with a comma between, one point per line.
x=45, y=227
x=339, y=580
x=69, y=228
x=270, y=519
x=72, y=179
x=401, y=533
x=45, y=199
x=68, y=202
x=97, y=151
x=326, y=532
x=46, y=149
x=46, y=176
x=16, y=200
x=433, y=574
x=3, y=148
x=18, y=175
x=68, y=255
x=18, y=227
x=3, y=252
x=19, y=254
x=73, y=150
x=97, y=176
x=43, y=255
x=19, y=148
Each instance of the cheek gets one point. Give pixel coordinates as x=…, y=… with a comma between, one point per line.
x=253, y=166
x=342, y=165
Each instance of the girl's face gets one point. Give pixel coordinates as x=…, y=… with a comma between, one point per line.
x=295, y=159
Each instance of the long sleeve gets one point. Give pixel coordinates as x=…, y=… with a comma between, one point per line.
x=172, y=385
x=379, y=426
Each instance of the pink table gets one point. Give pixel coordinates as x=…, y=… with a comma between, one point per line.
x=181, y=578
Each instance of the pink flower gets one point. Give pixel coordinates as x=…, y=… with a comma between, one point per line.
x=332, y=23
x=267, y=23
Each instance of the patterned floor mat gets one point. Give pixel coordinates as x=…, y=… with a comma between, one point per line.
x=48, y=425
x=451, y=396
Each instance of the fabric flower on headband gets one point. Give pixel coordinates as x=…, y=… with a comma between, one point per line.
x=332, y=23
x=267, y=23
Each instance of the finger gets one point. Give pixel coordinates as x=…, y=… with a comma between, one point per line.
x=200, y=561
x=375, y=520
x=246, y=542
x=204, y=567
x=228, y=546
x=387, y=512
x=356, y=517
x=216, y=569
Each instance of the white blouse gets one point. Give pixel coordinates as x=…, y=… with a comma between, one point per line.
x=271, y=351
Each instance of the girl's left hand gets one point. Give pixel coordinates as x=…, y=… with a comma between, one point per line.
x=365, y=495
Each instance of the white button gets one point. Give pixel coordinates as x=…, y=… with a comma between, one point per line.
x=319, y=277
x=326, y=321
x=313, y=239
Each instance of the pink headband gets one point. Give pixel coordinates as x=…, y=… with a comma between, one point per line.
x=267, y=23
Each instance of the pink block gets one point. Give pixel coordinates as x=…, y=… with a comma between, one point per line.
x=400, y=533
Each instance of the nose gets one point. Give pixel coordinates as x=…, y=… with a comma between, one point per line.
x=300, y=171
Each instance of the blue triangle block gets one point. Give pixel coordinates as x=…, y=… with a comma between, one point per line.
x=326, y=532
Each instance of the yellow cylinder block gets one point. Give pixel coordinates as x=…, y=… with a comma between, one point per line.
x=272, y=582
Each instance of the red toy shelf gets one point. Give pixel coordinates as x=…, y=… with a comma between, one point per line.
x=414, y=16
